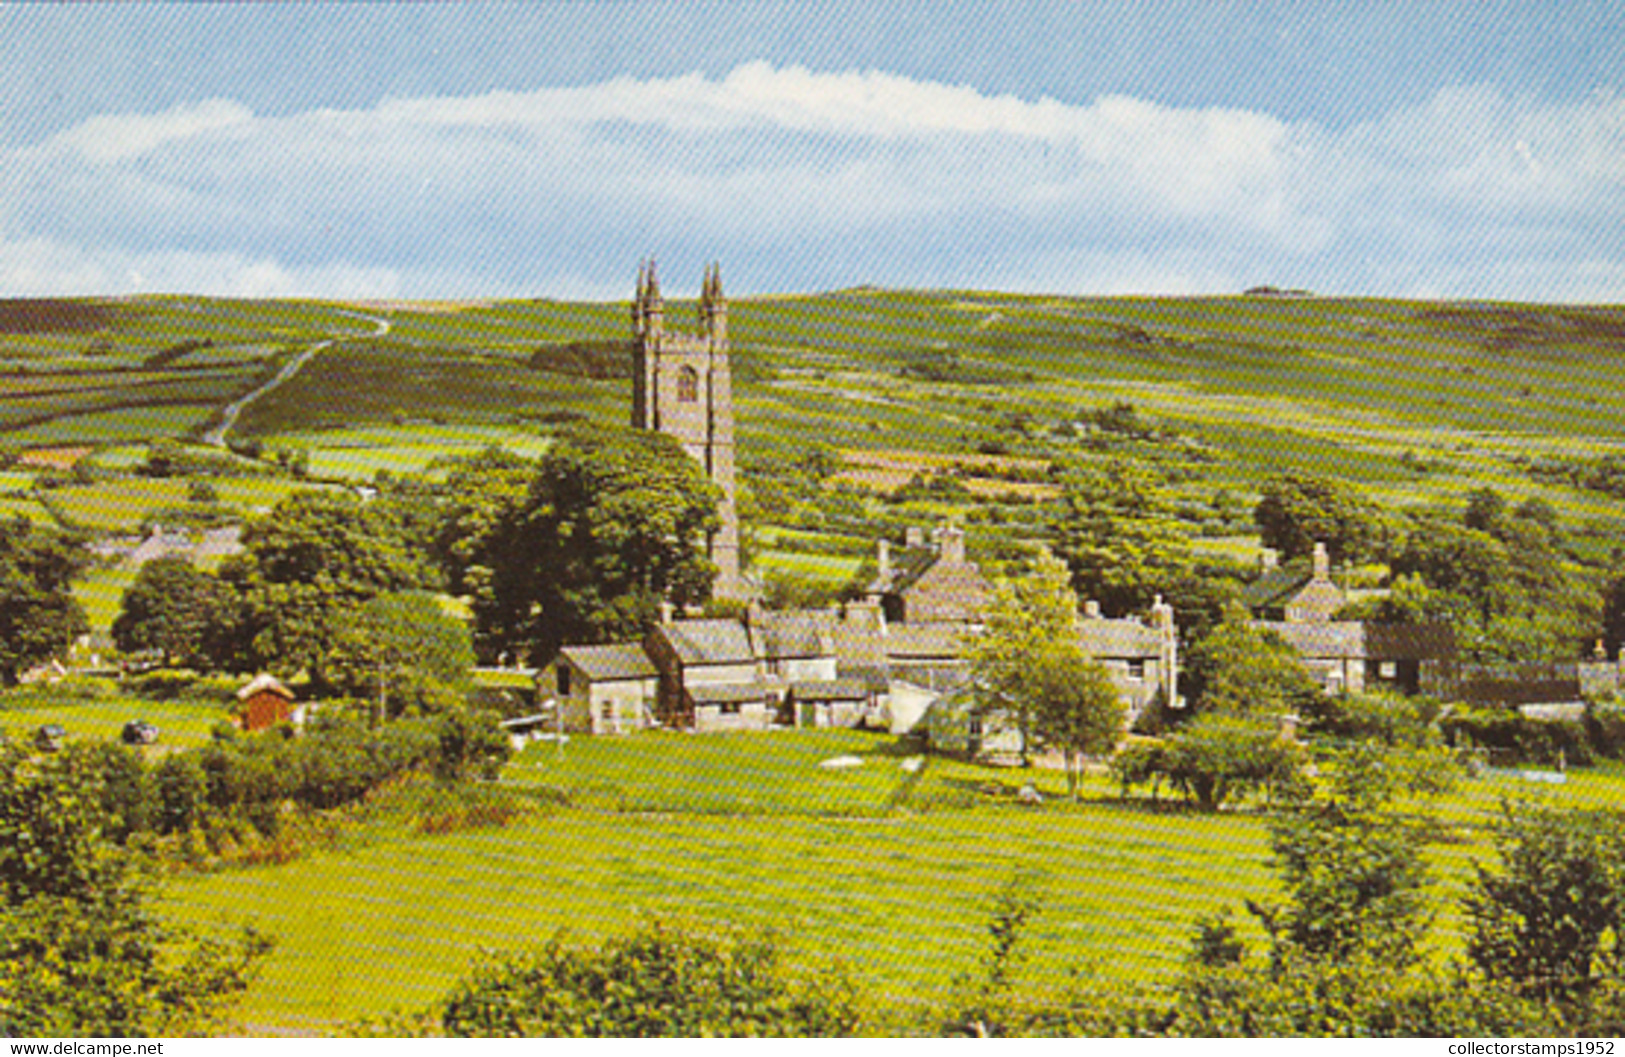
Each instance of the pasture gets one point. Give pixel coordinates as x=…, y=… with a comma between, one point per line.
x=891, y=873
x=182, y=724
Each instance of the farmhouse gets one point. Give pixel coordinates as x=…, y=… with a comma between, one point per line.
x=1141, y=657
x=1300, y=602
x=603, y=689
x=929, y=584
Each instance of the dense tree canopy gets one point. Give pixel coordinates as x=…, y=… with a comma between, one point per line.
x=1299, y=510
x=309, y=565
x=1242, y=670
x=1500, y=578
x=611, y=523
x=174, y=608
x=1117, y=535
x=400, y=650
x=39, y=617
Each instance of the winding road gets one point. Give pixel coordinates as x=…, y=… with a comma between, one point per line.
x=228, y=417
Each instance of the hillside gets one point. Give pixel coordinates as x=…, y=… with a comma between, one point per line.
x=1418, y=402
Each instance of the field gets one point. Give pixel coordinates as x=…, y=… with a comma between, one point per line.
x=181, y=723
x=893, y=876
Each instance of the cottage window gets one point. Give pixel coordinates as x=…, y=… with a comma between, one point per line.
x=1387, y=670
x=688, y=385
x=1136, y=668
x=564, y=680
x=728, y=708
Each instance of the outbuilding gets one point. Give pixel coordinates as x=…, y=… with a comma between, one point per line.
x=263, y=703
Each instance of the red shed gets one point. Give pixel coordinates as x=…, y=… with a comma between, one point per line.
x=263, y=703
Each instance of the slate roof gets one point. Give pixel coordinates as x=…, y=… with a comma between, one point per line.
x=907, y=641
x=1342, y=639
x=830, y=690
x=790, y=634
x=701, y=642
x=1277, y=586
x=623, y=660
x=1118, y=638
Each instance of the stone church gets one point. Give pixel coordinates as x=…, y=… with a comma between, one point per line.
x=682, y=386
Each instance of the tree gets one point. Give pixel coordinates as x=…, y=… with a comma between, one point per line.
x=1025, y=618
x=471, y=742
x=614, y=523
x=1214, y=757
x=39, y=617
x=1539, y=921
x=397, y=647
x=308, y=567
x=1241, y=670
x=1297, y=511
x=1354, y=877
x=1116, y=535
x=1486, y=510
x=1076, y=709
x=174, y=608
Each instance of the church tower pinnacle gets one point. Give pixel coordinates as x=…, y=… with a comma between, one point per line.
x=682, y=385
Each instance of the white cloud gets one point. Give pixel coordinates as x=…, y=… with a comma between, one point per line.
x=820, y=178
x=41, y=267
x=119, y=137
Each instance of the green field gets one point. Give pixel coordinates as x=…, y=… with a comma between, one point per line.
x=894, y=878
x=181, y=724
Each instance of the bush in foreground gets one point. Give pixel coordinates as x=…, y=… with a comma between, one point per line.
x=660, y=981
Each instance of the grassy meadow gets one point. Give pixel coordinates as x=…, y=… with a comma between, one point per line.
x=892, y=874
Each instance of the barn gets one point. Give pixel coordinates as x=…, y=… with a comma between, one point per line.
x=263, y=703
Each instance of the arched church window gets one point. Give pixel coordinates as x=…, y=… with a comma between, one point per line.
x=688, y=385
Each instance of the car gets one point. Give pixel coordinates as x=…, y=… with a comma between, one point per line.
x=140, y=732
x=50, y=736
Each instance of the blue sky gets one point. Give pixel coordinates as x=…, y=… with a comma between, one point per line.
x=422, y=150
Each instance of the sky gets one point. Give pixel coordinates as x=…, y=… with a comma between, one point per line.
x=1385, y=148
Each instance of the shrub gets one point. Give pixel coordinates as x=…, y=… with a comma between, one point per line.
x=1388, y=718
x=1541, y=920
x=658, y=982
x=182, y=792
x=1215, y=758
x=1520, y=738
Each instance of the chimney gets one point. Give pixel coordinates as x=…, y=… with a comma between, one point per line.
x=1091, y=610
x=914, y=536
x=951, y=544
x=1162, y=615
x=883, y=559
x=1266, y=561
x=666, y=611
x=1323, y=564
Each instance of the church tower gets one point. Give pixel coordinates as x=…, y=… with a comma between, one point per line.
x=682, y=386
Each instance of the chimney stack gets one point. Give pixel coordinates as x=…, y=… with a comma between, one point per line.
x=1323, y=563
